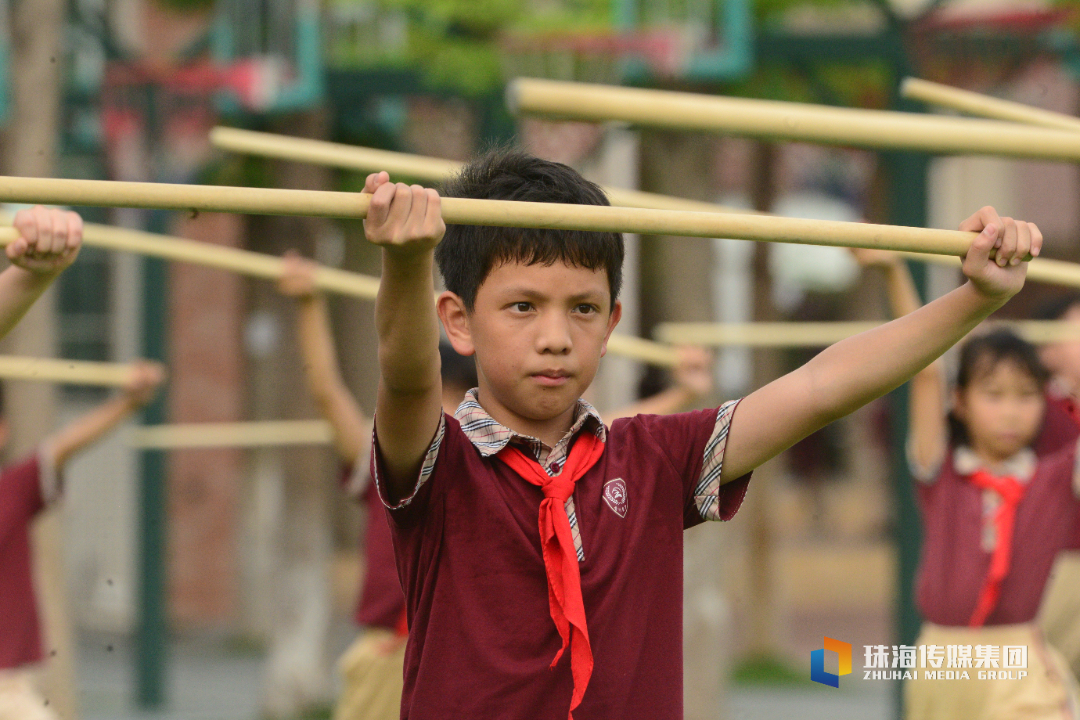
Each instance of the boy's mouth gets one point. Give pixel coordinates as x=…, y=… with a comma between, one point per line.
x=551, y=378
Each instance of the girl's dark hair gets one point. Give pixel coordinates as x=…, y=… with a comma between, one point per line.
x=468, y=253
x=457, y=370
x=980, y=355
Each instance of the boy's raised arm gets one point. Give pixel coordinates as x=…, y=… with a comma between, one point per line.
x=928, y=432
x=855, y=371
x=49, y=240
x=407, y=222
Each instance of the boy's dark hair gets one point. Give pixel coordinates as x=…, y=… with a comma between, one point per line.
x=457, y=370
x=981, y=355
x=1055, y=308
x=468, y=253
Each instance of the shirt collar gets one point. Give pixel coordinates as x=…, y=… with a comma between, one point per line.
x=1020, y=466
x=489, y=436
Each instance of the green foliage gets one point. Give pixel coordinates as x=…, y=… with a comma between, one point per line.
x=187, y=5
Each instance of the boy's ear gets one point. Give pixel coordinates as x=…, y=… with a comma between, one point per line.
x=455, y=320
x=613, y=320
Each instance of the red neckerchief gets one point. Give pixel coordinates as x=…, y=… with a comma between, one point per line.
x=560, y=557
x=1010, y=490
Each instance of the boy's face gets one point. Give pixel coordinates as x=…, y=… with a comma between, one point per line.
x=538, y=333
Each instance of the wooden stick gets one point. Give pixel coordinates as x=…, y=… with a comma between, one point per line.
x=985, y=106
x=431, y=169
x=265, y=266
x=645, y=221
x=417, y=167
x=776, y=120
x=236, y=434
x=1053, y=272
x=234, y=260
x=68, y=372
x=820, y=334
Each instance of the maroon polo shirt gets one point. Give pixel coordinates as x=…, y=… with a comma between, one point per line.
x=1061, y=425
x=21, y=499
x=381, y=602
x=954, y=562
x=481, y=636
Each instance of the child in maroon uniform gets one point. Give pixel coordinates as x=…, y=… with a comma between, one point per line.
x=27, y=488
x=1060, y=613
x=580, y=612
x=995, y=516
x=1000, y=500
x=371, y=668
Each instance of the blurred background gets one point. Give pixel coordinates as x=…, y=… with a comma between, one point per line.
x=220, y=583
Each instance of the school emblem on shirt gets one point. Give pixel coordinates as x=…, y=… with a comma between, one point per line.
x=615, y=496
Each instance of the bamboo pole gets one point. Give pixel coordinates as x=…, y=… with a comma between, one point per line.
x=820, y=334
x=265, y=266
x=498, y=213
x=777, y=120
x=265, y=433
x=985, y=106
x=234, y=260
x=417, y=167
x=430, y=169
x=68, y=372
x=1053, y=272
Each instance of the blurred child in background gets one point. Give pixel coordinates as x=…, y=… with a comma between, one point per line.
x=996, y=513
x=26, y=489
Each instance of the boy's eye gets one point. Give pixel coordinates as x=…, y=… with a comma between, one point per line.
x=523, y=306
x=586, y=308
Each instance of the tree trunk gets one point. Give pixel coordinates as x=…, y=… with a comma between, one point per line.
x=676, y=285
x=30, y=149
x=297, y=670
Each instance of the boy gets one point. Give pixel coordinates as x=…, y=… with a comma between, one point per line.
x=27, y=488
x=536, y=308
x=371, y=668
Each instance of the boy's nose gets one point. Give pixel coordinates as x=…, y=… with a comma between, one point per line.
x=554, y=335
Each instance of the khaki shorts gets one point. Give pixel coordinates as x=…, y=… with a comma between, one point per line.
x=1060, y=613
x=372, y=671
x=20, y=698
x=1047, y=692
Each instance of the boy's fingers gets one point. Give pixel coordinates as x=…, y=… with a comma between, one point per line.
x=61, y=226
x=24, y=223
x=1006, y=248
x=379, y=208
x=399, y=209
x=1023, y=243
x=433, y=220
x=43, y=225
x=984, y=217
x=1036, y=239
x=979, y=252
x=16, y=249
x=414, y=223
x=75, y=230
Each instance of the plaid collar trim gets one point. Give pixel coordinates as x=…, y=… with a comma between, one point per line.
x=1021, y=466
x=488, y=436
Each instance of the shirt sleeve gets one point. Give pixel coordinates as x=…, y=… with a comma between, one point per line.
x=713, y=500
x=694, y=444
x=925, y=474
x=21, y=495
x=421, y=487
